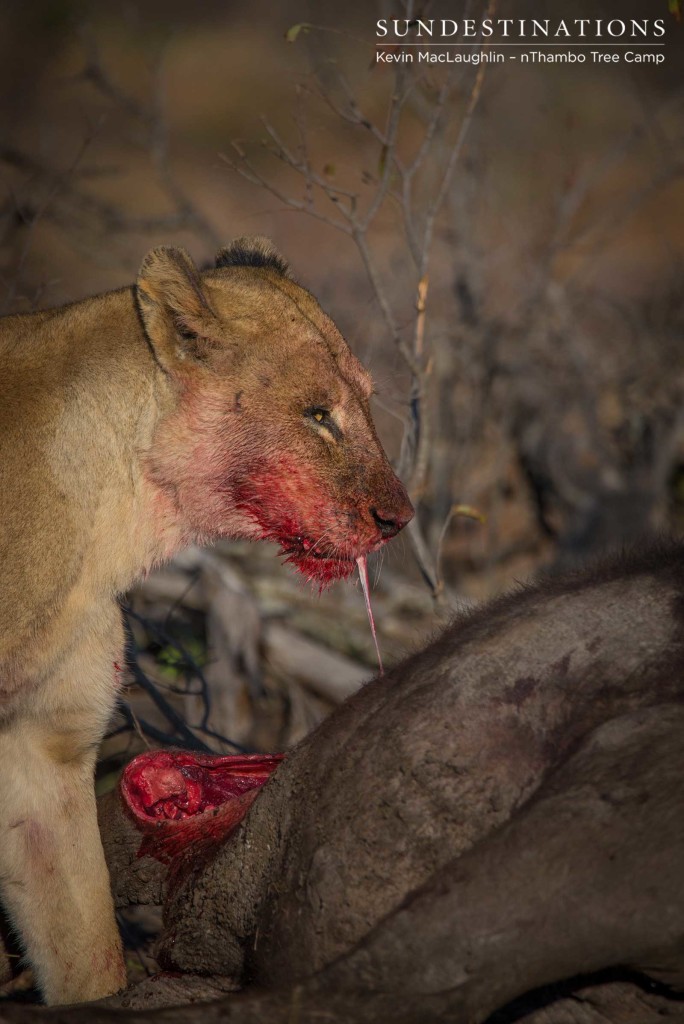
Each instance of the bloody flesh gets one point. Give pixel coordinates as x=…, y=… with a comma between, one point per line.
x=185, y=801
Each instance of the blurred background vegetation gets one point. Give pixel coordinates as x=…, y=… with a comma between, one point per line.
x=519, y=301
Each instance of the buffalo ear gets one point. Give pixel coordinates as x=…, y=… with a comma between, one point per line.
x=253, y=251
x=174, y=308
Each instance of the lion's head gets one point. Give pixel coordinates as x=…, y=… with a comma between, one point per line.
x=270, y=434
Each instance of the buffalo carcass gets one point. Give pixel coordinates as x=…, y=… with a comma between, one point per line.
x=502, y=811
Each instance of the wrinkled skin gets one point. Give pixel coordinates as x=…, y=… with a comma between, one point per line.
x=424, y=765
x=187, y=408
x=503, y=811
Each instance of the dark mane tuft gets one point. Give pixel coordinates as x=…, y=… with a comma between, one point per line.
x=254, y=251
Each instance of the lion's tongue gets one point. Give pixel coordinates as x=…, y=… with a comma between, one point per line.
x=362, y=564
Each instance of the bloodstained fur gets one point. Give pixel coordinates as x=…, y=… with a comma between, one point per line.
x=321, y=554
x=276, y=498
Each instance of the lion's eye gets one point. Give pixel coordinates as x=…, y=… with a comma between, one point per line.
x=318, y=414
x=323, y=417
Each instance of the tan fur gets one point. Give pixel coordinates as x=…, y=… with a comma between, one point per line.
x=131, y=424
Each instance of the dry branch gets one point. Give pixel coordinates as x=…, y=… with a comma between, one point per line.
x=357, y=219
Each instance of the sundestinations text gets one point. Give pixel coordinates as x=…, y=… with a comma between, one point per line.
x=521, y=28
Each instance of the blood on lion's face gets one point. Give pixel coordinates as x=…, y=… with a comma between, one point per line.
x=272, y=437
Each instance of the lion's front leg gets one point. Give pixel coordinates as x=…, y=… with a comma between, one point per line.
x=53, y=879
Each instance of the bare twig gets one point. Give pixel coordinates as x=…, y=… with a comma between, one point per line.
x=181, y=729
x=247, y=171
x=189, y=663
x=358, y=221
x=152, y=119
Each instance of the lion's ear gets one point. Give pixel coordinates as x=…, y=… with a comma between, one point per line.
x=254, y=251
x=174, y=308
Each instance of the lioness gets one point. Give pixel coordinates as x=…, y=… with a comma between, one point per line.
x=189, y=407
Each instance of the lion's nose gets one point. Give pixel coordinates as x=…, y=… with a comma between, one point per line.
x=390, y=523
